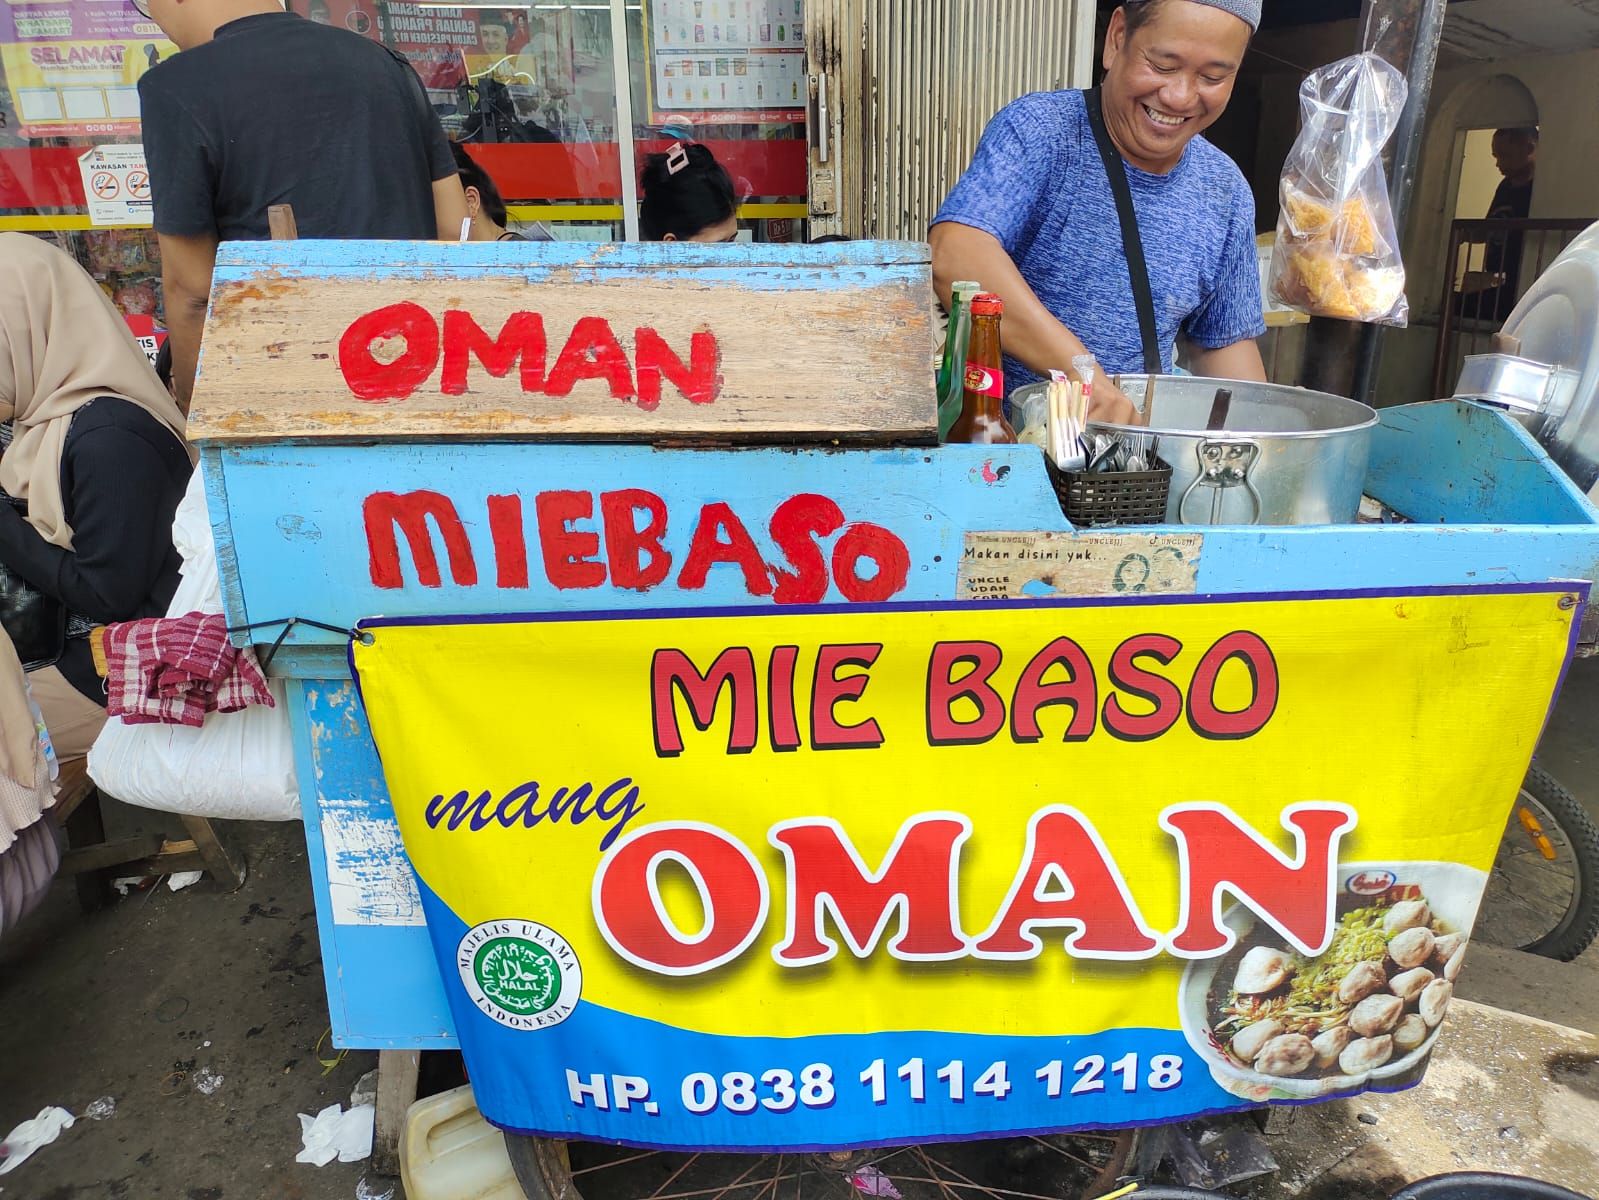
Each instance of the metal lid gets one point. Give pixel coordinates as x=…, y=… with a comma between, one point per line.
x=1557, y=323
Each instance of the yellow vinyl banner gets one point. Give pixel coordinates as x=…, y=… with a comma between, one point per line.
x=79, y=87
x=836, y=876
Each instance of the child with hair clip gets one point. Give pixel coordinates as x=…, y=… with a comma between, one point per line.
x=687, y=197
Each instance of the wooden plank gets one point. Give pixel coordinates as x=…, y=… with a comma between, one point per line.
x=368, y=912
x=316, y=340
x=281, y=224
x=73, y=787
x=329, y=256
x=111, y=854
x=219, y=511
x=397, y=1074
x=225, y=868
x=313, y=540
x=80, y=818
x=175, y=848
x=175, y=856
x=147, y=854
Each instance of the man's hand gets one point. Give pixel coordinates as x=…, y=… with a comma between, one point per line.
x=1030, y=332
x=1476, y=282
x=186, y=266
x=1110, y=404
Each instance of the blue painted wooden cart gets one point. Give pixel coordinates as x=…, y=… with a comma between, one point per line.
x=337, y=518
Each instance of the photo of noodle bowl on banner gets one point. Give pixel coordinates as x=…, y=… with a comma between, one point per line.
x=1273, y=1023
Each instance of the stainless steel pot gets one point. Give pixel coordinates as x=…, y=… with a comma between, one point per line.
x=1547, y=369
x=1281, y=456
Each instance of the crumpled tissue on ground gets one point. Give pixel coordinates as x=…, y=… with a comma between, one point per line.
x=333, y=1133
x=870, y=1181
x=29, y=1136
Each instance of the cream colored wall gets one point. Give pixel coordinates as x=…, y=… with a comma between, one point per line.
x=1479, y=177
x=1562, y=89
x=1279, y=126
x=914, y=83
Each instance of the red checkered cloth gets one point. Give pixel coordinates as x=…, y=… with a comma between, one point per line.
x=174, y=670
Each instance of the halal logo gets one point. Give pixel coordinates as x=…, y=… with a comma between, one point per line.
x=520, y=973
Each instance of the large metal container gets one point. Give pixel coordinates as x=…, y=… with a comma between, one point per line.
x=1547, y=373
x=1281, y=456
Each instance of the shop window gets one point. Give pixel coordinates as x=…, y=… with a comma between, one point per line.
x=533, y=93
x=69, y=74
x=732, y=75
x=540, y=95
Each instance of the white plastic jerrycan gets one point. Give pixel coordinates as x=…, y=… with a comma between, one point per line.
x=449, y=1152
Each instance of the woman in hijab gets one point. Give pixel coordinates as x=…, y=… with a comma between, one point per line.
x=93, y=460
x=29, y=850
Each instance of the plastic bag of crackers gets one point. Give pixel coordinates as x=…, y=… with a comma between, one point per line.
x=1337, y=254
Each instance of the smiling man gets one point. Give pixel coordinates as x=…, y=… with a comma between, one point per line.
x=1035, y=217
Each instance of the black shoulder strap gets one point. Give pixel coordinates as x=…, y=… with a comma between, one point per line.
x=1132, y=243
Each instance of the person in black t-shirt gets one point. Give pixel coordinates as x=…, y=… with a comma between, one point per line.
x=1491, y=293
x=264, y=107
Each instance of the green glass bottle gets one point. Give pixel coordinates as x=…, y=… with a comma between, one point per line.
x=952, y=367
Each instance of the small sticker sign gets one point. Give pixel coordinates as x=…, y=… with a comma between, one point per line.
x=998, y=566
x=147, y=333
x=116, y=185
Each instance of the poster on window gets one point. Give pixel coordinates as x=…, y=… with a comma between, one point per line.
x=72, y=69
x=358, y=16
x=116, y=185
x=434, y=41
x=726, y=61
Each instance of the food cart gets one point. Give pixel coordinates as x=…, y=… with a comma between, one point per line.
x=725, y=766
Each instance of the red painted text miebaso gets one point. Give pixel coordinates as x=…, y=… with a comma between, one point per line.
x=624, y=539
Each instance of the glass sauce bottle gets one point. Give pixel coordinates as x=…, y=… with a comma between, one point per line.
x=982, y=416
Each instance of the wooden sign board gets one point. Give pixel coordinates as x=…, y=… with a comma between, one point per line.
x=559, y=341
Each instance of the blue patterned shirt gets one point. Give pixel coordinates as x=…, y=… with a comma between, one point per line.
x=1037, y=184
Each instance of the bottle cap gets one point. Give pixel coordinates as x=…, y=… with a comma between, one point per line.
x=986, y=304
